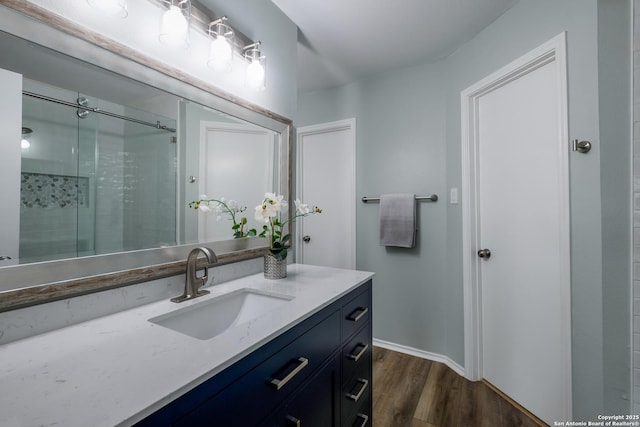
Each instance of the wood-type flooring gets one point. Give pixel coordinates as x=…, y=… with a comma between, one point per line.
x=413, y=392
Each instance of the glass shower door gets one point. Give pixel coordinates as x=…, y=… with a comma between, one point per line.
x=51, y=190
x=93, y=183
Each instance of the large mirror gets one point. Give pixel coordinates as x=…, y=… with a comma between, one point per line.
x=108, y=165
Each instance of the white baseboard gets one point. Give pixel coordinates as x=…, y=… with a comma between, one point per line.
x=420, y=353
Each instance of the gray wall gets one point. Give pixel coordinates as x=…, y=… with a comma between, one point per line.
x=614, y=65
x=408, y=130
x=636, y=209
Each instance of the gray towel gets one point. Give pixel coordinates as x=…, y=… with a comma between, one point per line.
x=398, y=220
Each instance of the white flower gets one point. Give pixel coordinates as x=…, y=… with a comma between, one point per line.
x=204, y=208
x=233, y=205
x=203, y=197
x=302, y=208
x=275, y=203
x=262, y=214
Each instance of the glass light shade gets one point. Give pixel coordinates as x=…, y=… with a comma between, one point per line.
x=256, y=69
x=221, y=47
x=115, y=8
x=174, y=30
x=220, y=54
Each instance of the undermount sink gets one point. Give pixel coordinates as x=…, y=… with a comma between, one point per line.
x=207, y=319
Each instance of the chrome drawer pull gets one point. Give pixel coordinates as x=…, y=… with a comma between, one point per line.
x=293, y=421
x=357, y=396
x=280, y=383
x=361, y=311
x=364, y=419
x=357, y=357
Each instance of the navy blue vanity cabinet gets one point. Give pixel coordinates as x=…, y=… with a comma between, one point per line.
x=318, y=373
x=316, y=404
x=357, y=362
x=256, y=394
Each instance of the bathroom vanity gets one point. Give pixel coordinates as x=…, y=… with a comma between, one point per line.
x=297, y=353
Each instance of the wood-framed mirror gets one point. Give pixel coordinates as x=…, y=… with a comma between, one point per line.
x=102, y=199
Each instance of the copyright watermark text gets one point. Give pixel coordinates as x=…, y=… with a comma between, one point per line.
x=603, y=420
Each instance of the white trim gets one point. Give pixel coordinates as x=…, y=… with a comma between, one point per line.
x=553, y=50
x=421, y=354
x=347, y=124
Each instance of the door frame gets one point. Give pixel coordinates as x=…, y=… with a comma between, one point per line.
x=339, y=125
x=553, y=50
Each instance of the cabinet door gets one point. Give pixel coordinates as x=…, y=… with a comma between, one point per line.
x=316, y=404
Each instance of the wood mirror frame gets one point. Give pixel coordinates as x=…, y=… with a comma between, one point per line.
x=30, y=284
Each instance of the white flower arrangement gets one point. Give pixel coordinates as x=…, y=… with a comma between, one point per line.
x=268, y=212
x=220, y=207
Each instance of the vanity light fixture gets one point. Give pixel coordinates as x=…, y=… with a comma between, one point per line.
x=174, y=27
x=221, y=47
x=256, y=68
x=115, y=8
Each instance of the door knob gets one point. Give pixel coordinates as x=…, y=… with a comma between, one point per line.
x=484, y=253
x=306, y=239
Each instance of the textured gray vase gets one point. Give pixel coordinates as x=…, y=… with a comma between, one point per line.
x=274, y=268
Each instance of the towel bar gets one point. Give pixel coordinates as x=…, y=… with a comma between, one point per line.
x=430, y=198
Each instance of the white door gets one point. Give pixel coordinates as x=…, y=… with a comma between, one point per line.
x=10, y=165
x=326, y=178
x=521, y=200
x=237, y=163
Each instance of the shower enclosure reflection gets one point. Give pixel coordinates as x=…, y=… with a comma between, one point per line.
x=93, y=183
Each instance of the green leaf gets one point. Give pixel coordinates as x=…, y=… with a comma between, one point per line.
x=279, y=254
x=235, y=226
x=251, y=232
x=286, y=238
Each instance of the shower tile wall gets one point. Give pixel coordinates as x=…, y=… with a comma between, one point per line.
x=636, y=207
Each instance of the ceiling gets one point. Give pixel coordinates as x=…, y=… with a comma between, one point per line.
x=340, y=41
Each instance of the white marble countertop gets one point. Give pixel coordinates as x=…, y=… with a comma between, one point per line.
x=117, y=369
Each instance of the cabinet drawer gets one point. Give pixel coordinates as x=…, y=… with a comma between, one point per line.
x=356, y=353
x=356, y=391
x=361, y=417
x=315, y=404
x=254, y=395
x=356, y=313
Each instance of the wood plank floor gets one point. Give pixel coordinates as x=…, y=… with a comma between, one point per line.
x=412, y=392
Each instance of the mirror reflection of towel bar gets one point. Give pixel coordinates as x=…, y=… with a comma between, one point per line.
x=430, y=198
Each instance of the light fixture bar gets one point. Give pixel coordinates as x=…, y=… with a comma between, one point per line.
x=252, y=45
x=202, y=16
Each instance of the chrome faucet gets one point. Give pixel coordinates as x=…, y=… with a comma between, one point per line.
x=192, y=282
